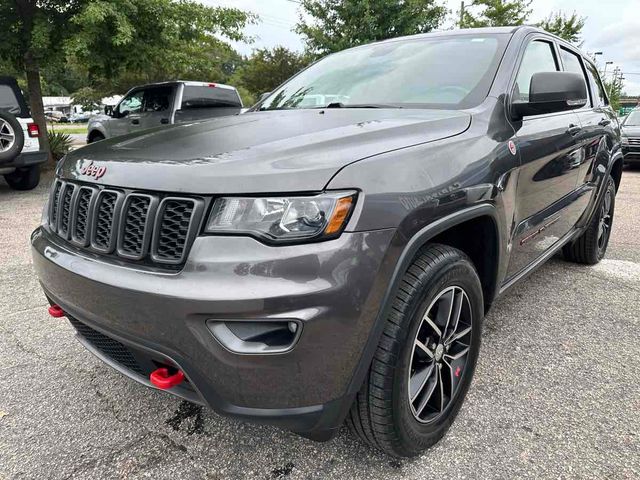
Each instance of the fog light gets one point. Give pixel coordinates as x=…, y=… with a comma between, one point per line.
x=261, y=337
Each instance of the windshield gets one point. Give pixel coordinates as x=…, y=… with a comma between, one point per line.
x=633, y=119
x=439, y=72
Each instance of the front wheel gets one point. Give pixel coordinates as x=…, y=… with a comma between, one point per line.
x=426, y=358
x=591, y=246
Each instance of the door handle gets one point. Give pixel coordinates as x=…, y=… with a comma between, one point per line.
x=604, y=122
x=164, y=121
x=573, y=130
x=135, y=121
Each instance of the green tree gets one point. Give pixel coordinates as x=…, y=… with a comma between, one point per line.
x=614, y=89
x=495, y=13
x=567, y=27
x=121, y=43
x=338, y=24
x=265, y=69
x=32, y=35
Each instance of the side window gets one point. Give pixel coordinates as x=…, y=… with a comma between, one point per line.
x=599, y=94
x=538, y=57
x=572, y=63
x=8, y=100
x=132, y=103
x=157, y=99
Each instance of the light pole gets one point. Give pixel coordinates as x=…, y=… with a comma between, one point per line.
x=606, y=64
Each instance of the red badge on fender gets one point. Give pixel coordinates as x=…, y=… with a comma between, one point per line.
x=512, y=147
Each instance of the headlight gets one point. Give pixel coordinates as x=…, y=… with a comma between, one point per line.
x=283, y=219
x=625, y=140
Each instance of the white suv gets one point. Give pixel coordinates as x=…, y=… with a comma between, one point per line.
x=20, y=154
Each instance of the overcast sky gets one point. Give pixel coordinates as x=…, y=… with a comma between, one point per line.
x=613, y=27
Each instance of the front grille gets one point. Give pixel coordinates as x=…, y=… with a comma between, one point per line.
x=113, y=349
x=634, y=141
x=134, y=226
x=80, y=230
x=104, y=220
x=174, y=228
x=65, y=209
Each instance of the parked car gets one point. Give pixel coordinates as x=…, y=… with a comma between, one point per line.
x=20, y=154
x=164, y=104
x=54, y=116
x=81, y=117
x=631, y=138
x=305, y=266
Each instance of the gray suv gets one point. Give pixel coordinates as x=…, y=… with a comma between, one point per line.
x=306, y=265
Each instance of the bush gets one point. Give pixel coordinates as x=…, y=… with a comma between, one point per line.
x=60, y=144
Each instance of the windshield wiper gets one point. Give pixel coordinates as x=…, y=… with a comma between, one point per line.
x=360, y=105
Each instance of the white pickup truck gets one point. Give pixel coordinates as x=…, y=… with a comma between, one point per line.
x=20, y=154
x=166, y=103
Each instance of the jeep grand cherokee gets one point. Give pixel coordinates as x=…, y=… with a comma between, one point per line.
x=308, y=265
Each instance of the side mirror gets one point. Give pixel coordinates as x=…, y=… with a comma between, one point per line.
x=263, y=96
x=108, y=110
x=551, y=92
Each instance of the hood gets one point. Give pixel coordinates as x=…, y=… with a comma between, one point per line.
x=631, y=130
x=280, y=151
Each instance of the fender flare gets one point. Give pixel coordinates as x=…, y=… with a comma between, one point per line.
x=415, y=243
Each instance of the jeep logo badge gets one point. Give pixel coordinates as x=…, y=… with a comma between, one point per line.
x=92, y=170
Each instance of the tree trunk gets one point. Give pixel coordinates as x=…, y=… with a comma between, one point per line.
x=32, y=69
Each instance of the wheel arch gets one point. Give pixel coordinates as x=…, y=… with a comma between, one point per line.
x=440, y=229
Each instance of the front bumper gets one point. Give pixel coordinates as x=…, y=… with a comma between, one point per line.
x=631, y=153
x=334, y=289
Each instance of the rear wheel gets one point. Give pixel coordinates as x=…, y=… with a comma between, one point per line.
x=24, y=178
x=591, y=246
x=425, y=361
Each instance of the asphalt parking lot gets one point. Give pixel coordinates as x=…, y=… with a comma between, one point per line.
x=556, y=393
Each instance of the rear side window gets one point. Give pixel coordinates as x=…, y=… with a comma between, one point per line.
x=157, y=99
x=8, y=100
x=600, y=96
x=538, y=57
x=209, y=97
x=573, y=64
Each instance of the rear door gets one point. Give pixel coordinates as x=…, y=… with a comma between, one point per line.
x=157, y=106
x=599, y=122
x=550, y=159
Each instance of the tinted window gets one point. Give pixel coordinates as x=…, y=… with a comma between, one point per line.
x=209, y=96
x=441, y=72
x=132, y=103
x=538, y=57
x=600, y=95
x=157, y=99
x=8, y=100
x=573, y=64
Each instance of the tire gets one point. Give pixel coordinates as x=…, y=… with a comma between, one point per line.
x=591, y=247
x=383, y=414
x=11, y=137
x=95, y=137
x=24, y=178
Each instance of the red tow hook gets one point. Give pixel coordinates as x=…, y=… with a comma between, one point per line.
x=56, y=311
x=161, y=378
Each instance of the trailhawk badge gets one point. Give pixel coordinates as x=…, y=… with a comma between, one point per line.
x=93, y=170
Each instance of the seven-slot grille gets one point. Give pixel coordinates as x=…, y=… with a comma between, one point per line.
x=130, y=225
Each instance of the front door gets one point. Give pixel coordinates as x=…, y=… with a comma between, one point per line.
x=126, y=115
x=546, y=207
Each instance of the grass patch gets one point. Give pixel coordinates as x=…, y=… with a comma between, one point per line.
x=69, y=128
